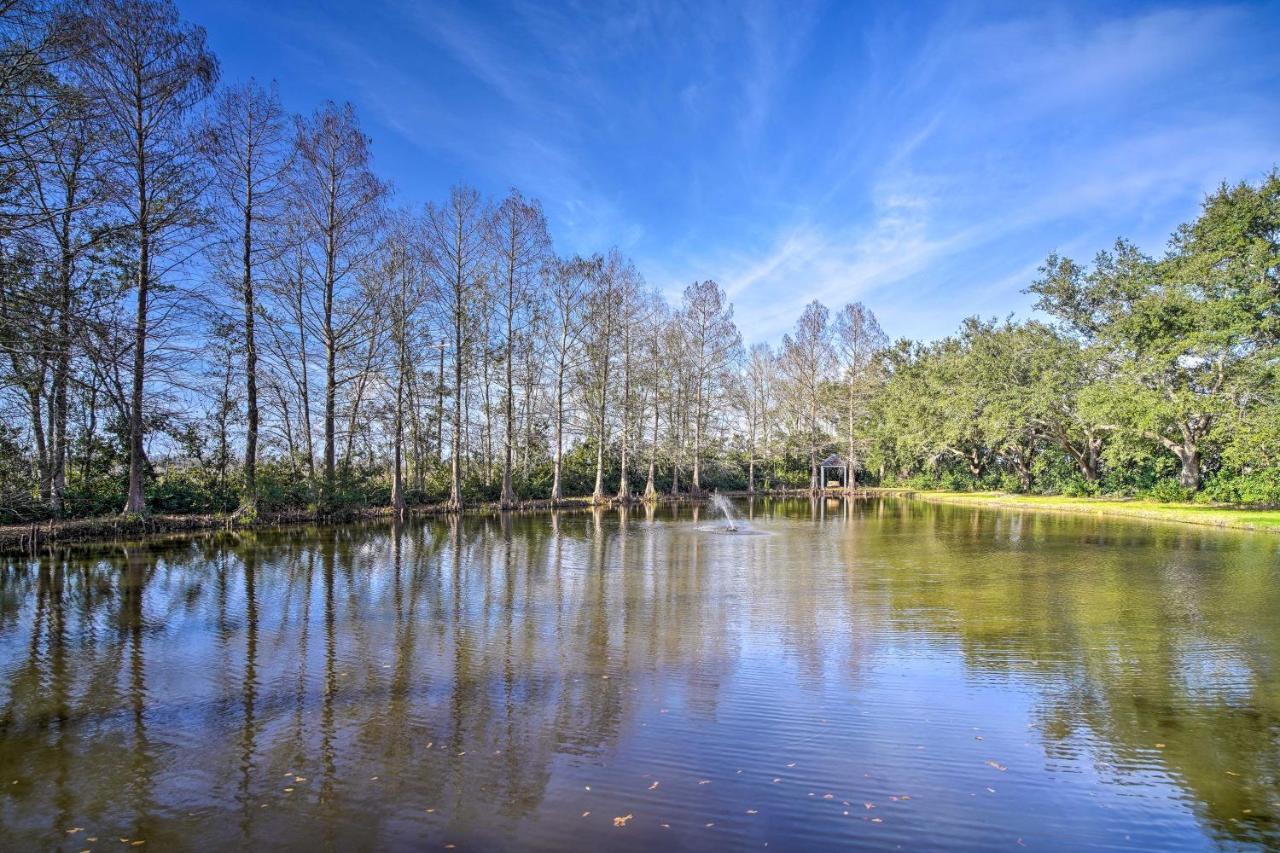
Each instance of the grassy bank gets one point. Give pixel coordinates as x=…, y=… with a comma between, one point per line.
x=1266, y=520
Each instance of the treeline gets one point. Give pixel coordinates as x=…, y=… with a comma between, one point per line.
x=210, y=305
x=1157, y=376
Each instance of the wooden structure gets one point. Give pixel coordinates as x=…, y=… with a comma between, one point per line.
x=833, y=463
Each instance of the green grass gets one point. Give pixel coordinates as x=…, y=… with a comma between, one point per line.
x=1205, y=514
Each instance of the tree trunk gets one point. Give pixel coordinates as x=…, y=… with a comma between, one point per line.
x=814, y=484
x=249, y=500
x=508, y=491
x=556, y=494
x=455, y=467
x=678, y=438
x=330, y=376
x=135, y=503
x=61, y=377
x=397, y=472
x=650, y=488
x=440, y=407
x=597, y=495
x=1189, y=476
x=624, y=487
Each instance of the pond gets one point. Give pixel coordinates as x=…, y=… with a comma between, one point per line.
x=863, y=672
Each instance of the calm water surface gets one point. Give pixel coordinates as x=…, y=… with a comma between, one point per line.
x=868, y=673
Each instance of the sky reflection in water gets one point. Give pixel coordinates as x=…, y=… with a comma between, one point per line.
x=871, y=672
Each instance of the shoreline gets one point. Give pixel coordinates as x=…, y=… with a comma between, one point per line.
x=100, y=530
x=48, y=535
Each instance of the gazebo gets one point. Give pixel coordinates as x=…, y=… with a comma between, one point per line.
x=833, y=463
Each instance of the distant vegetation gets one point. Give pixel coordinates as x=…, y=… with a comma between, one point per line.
x=209, y=305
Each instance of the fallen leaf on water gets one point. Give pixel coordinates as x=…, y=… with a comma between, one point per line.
x=300, y=778
x=997, y=765
x=73, y=830
x=1159, y=746
x=1232, y=773
x=654, y=785
x=622, y=821
x=288, y=790
x=137, y=844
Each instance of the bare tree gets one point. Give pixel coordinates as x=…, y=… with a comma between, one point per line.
x=571, y=282
x=858, y=337
x=401, y=275
x=807, y=360
x=599, y=339
x=246, y=141
x=761, y=366
x=455, y=246
x=145, y=69
x=61, y=186
x=340, y=202
x=706, y=320
x=656, y=376
x=518, y=234
x=632, y=308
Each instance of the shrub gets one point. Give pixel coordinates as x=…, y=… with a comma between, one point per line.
x=1255, y=487
x=1167, y=491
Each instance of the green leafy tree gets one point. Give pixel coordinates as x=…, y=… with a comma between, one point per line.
x=1187, y=337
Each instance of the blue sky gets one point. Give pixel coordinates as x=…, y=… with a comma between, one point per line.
x=920, y=158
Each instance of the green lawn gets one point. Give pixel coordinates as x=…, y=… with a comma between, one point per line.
x=1206, y=514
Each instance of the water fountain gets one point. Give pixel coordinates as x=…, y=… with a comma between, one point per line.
x=732, y=525
x=721, y=503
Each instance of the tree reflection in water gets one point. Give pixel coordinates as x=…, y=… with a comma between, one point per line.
x=484, y=681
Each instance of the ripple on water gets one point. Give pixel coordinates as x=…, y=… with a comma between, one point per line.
x=866, y=674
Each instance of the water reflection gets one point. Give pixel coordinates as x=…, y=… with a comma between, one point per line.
x=873, y=672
